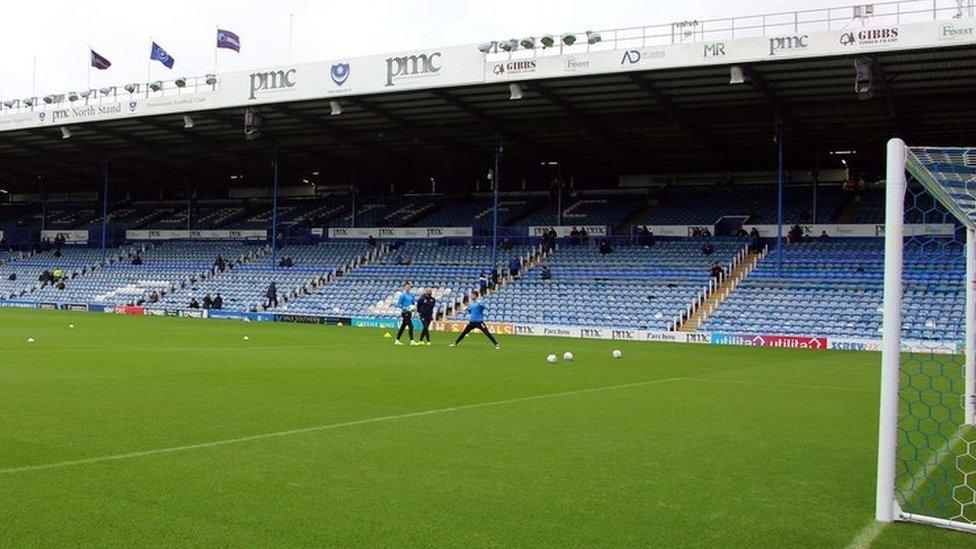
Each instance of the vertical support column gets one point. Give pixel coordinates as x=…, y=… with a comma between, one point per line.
x=891, y=343
x=816, y=184
x=779, y=196
x=352, y=186
x=559, y=181
x=970, y=397
x=274, y=211
x=494, y=213
x=104, y=210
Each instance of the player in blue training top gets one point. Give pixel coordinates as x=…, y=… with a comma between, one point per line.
x=476, y=320
x=407, y=303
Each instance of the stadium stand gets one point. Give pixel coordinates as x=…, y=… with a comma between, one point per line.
x=449, y=270
x=835, y=289
x=706, y=204
x=75, y=261
x=632, y=287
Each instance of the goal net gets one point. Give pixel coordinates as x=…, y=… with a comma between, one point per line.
x=927, y=438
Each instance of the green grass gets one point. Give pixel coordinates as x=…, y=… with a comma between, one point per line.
x=682, y=446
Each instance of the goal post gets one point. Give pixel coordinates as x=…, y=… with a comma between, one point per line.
x=927, y=423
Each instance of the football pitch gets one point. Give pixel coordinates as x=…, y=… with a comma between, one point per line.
x=145, y=431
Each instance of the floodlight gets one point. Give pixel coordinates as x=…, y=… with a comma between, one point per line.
x=508, y=45
x=593, y=37
x=65, y=132
x=30, y=101
x=49, y=99
x=569, y=39
x=211, y=79
x=106, y=91
x=335, y=108
x=72, y=96
x=528, y=43
x=188, y=121
x=132, y=88
x=180, y=82
x=156, y=86
x=85, y=93
x=8, y=104
x=515, y=91
x=487, y=47
x=736, y=75
x=547, y=41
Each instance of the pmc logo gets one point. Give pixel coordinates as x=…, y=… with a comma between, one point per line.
x=412, y=66
x=340, y=73
x=271, y=81
x=784, y=43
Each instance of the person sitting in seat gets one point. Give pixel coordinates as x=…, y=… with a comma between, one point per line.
x=574, y=236
x=58, y=274
x=606, y=248
x=824, y=237
x=546, y=273
x=207, y=301
x=716, y=271
x=218, y=302
x=12, y=277
x=137, y=260
x=220, y=264
x=194, y=304
x=514, y=266
x=707, y=248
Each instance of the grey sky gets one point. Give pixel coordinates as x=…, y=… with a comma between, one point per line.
x=61, y=31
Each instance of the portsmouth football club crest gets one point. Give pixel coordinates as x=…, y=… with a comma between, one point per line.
x=40, y=116
x=132, y=106
x=340, y=73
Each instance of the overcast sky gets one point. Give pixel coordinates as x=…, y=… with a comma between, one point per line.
x=59, y=32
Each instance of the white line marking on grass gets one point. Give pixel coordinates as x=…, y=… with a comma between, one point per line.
x=327, y=427
x=866, y=537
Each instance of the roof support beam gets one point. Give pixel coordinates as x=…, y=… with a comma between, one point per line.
x=492, y=123
x=675, y=114
x=410, y=129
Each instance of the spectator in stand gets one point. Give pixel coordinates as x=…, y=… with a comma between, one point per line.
x=741, y=232
x=153, y=296
x=507, y=243
x=546, y=273
x=606, y=248
x=754, y=233
x=272, y=295
x=371, y=242
x=706, y=232
x=574, y=236
x=716, y=271
x=137, y=260
x=207, y=301
x=755, y=246
x=194, y=304
x=552, y=236
x=58, y=274
x=218, y=302
x=584, y=236
x=514, y=266
x=707, y=248
x=12, y=277
x=60, y=285
x=650, y=238
x=425, y=308
x=483, y=284
x=57, y=252
x=494, y=278
x=824, y=237
x=220, y=264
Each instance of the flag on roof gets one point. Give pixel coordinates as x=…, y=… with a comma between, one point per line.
x=228, y=40
x=159, y=54
x=98, y=61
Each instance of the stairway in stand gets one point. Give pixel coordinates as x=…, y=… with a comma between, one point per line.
x=721, y=292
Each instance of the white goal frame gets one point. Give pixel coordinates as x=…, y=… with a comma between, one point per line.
x=901, y=159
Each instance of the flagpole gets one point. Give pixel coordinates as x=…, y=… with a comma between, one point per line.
x=89, y=70
x=34, y=79
x=216, y=49
x=291, y=28
x=149, y=66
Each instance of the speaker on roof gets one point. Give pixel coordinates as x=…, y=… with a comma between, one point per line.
x=864, y=78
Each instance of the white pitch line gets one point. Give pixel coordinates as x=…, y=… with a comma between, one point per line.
x=866, y=537
x=782, y=385
x=327, y=427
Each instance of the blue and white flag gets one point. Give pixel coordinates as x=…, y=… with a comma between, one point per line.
x=98, y=61
x=228, y=40
x=159, y=54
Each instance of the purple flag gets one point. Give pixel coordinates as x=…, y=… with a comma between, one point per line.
x=228, y=40
x=99, y=62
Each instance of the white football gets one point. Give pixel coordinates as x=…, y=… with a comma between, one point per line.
x=30, y=340
x=568, y=356
x=551, y=359
x=71, y=325
x=616, y=353
x=247, y=338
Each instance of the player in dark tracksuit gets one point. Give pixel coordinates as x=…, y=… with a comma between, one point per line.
x=476, y=321
x=425, y=308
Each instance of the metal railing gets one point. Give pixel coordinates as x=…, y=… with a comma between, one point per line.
x=728, y=28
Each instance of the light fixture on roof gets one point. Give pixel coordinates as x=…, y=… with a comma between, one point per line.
x=156, y=86
x=9, y=104
x=85, y=93
x=508, y=45
x=593, y=37
x=29, y=101
x=315, y=173
x=180, y=82
x=528, y=42
x=547, y=41
x=736, y=75
x=72, y=96
x=335, y=108
x=188, y=121
x=569, y=39
x=132, y=88
x=49, y=99
x=65, y=132
x=514, y=91
x=864, y=71
x=107, y=90
x=211, y=79
x=487, y=47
